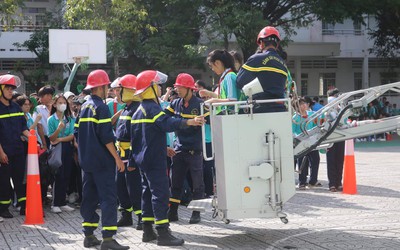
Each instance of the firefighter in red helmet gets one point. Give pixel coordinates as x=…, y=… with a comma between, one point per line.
x=129, y=186
x=150, y=124
x=12, y=156
x=264, y=75
x=98, y=158
x=188, y=145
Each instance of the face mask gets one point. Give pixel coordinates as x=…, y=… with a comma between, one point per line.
x=61, y=107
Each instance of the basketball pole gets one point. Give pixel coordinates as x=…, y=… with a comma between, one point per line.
x=72, y=73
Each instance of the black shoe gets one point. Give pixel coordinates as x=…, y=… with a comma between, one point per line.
x=91, y=241
x=173, y=212
x=139, y=225
x=22, y=209
x=6, y=214
x=112, y=244
x=125, y=220
x=165, y=238
x=195, y=217
x=148, y=233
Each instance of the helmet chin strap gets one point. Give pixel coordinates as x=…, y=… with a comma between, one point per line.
x=155, y=94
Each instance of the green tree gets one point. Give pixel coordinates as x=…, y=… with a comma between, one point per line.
x=387, y=34
x=38, y=44
x=174, y=43
x=143, y=34
x=122, y=20
x=8, y=10
x=245, y=19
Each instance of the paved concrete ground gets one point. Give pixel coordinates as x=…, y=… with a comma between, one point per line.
x=318, y=219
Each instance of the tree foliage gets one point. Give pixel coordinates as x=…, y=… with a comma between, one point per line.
x=8, y=10
x=387, y=34
x=38, y=43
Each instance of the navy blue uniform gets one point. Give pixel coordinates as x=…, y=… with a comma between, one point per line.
x=12, y=125
x=271, y=71
x=93, y=130
x=188, y=146
x=129, y=187
x=149, y=152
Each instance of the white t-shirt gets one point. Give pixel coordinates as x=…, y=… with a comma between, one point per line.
x=42, y=109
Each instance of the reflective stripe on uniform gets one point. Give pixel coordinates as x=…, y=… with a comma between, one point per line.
x=174, y=200
x=91, y=119
x=265, y=69
x=129, y=209
x=148, y=120
x=188, y=116
x=159, y=222
x=147, y=218
x=125, y=117
x=5, y=202
x=138, y=212
x=171, y=109
x=89, y=224
x=11, y=115
x=112, y=228
x=22, y=199
x=76, y=125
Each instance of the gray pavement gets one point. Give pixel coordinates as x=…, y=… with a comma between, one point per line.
x=318, y=219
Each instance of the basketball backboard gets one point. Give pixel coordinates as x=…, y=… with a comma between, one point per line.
x=65, y=46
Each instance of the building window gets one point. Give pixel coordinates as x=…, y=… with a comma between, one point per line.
x=388, y=77
x=304, y=84
x=357, y=28
x=328, y=28
x=34, y=10
x=328, y=81
x=357, y=80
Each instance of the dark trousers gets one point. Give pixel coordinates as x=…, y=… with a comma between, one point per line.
x=62, y=177
x=269, y=107
x=182, y=163
x=312, y=161
x=99, y=187
x=75, y=183
x=155, y=194
x=208, y=172
x=129, y=189
x=15, y=169
x=335, y=160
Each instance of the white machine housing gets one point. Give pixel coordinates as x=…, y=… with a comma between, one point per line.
x=253, y=164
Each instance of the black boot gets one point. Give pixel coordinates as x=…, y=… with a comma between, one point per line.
x=139, y=225
x=173, y=212
x=148, y=233
x=125, y=220
x=165, y=238
x=195, y=217
x=110, y=243
x=91, y=241
x=23, y=208
x=6, y=214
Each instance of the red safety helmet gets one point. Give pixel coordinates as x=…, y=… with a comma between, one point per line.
x=128, y=81
x=10, y=80
x=185, y=80
x=267, y=32
x=147, y=78
x=97, y=78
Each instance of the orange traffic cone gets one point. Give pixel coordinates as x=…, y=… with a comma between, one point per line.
x=349, y=178
x=34, y=209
